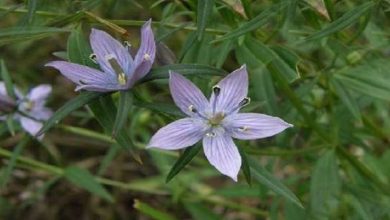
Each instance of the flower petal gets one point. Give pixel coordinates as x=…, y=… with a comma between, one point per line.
x=31, y=126
x=146, y=53
x=178, y=134
x=249, y=126
x=39, y=94
x=223, y=154
x=83, y=75
x=186, y=94
x=234, y=88
x=104, y=45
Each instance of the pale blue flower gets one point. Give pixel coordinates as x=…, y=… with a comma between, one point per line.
x=119, y=71
x=215, y=122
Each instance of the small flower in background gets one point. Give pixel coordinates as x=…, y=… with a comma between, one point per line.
x=119, y=70
x=30, y=110
x=216, y=121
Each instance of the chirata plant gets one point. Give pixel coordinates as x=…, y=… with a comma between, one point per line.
x=28, y=109
x=216, y=121
x=119, y=70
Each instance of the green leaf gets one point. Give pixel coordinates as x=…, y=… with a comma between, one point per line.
x=184, y=69
x=9, y=86
x=245, y=166
x=11, y=164
x=14, y=34
x=125, y=103
x=87, y=181
x=325, y=186
x=200, y=212
x=344, y=21
x=183, y=160
x=152, y=212
x=70, y=106
x=169, y=109
x=271, y=59
x=255, y=23
x=264, y=177
x=78, y=49
x=104, y=110
x=346, y=98
x=204, y=12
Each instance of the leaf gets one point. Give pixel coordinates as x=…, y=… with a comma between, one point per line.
x=271, y=59
x=87, y=181
x=245, y=166
x=104, y=110
x=264, y=177
x=70, y=106
x=344, y=21
x=11, y=163
x=204, y=13
x=325, y=186
x=184, y=159
x=160, y=107
x=255, y=23
x=200, y=212
x=14, y=34
x=346, y=98
x=9, y=86
x=184, y=69
x=125, y=103
x=152, y=212
x=78, y=49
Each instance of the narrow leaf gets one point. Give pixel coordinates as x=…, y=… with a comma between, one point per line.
x=347, y=98
x=87, y=181
x=264, y=177
x=255, y=23
x=344, y=21
x=183, y=160
x=78, y=49
x=125, y=103
x=245, y=166
x=160, y=107
x=70, y=106
x=204, y=12
x=152, y=212
x=9, y=86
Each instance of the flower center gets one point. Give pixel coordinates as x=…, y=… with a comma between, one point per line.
x=121, y=76
x=216, y=119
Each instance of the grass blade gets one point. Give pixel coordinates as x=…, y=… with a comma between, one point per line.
x=125, y=103
x=9, y=86
x=205, y=10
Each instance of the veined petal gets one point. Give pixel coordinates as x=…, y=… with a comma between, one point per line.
x=186, y=94
x=39, y=94
x=103, y=45
x=178, y=134
x=41, y=113
x=234, y=88
x=83, y=75
x=248, y=126
x=146, y=53
x=31, y=126
x=223, y=154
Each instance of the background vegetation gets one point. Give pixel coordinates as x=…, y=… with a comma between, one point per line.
x=322, y=65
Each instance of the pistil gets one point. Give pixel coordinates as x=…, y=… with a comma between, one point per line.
x=117, y=68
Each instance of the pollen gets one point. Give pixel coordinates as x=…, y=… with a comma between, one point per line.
x=147, y=57
x=210, y=134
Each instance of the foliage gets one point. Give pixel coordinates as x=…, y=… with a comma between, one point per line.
x=321, y=65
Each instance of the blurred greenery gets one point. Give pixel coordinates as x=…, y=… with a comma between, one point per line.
x=321, y=65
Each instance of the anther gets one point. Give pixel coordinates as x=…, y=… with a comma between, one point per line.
x=216, y=90
x=127, y=43
x=210, y=134
x=245, y=102
x=146, y=57
x=192, y=109
x=243, y=129
x=117, y=68
x=93, y=57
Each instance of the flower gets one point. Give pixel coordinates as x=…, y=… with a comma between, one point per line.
x=216, y=122
x=119, y=70
x=30, y=109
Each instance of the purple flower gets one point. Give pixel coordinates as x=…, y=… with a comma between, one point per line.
x=119, y=70
x=216, y=122
x=30, y=109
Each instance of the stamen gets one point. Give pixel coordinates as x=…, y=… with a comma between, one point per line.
x=117, y=68
x=210, y=134
x=127, y=44
x=192, y=109
x=146, y=57
x=216, y=91
x=243, y=129
x=93, y=57
x=245, y=102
